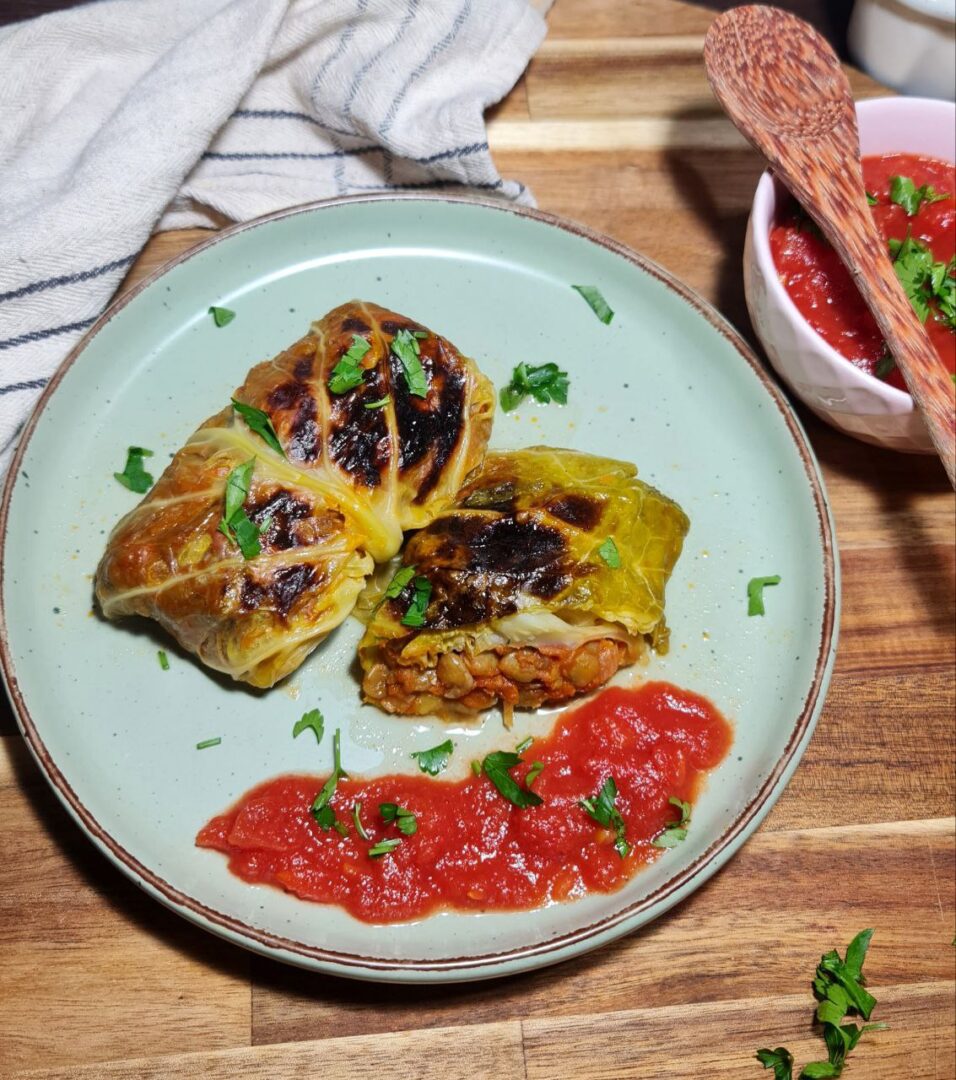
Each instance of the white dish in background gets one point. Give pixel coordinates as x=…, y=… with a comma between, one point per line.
x=853, y=401
x=909, y=45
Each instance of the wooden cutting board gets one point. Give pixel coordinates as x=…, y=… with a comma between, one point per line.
x=613, y=125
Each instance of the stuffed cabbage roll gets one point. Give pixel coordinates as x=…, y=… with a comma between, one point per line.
x=546, y=578
x=258, y=538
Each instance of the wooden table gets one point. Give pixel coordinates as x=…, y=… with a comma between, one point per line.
x=613, y=125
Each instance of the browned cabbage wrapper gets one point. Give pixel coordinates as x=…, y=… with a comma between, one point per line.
x=350, y=482
x=530, y=604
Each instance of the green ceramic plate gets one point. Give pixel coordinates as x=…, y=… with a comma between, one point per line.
x=668, y=385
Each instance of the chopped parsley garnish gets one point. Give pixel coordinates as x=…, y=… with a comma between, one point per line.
x=163, y=660
x=312, y=719
x=380, y=404
x=347, y=373
x=404, y=819
x=406, y=348
x=321, y=810
x=544, y=382
x=780, y=1060
x=524, y=745
x=906, y=194
x=533, y=773
x=236, y=525
x=676, y=832
x=884, y=365
x=357, y=820
x=872, y=199
x=609, y=553
x=496, y=767
x=435, y=760
x=755, y=588
x=924, y=280
x=206, y=743
x=601, y=807
x=222, y=316
x=384, y=847
x=596, y=302
x=839, y=987
x=397, y=585
x=415, y=616
x=476, y=767
x=340, y=827
x=134, y=476
x=260, y=423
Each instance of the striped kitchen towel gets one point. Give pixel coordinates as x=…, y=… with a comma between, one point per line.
x=122, y=116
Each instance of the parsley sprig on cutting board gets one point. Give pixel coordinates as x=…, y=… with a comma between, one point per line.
x=840, y=988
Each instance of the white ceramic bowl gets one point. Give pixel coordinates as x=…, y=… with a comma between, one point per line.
x=846, y=397
x=906, y=44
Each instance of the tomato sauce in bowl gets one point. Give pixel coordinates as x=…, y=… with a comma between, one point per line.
x=822, y=288
x=472, y=849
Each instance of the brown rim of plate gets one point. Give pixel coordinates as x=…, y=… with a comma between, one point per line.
x=525, y=957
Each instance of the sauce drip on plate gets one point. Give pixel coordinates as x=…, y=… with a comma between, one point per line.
x=473, y=849
x=821, y=286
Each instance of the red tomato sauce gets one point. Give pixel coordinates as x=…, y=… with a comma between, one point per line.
x=474, y=850
x=821, y=286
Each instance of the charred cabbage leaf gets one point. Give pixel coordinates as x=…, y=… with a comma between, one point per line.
x=336, y=495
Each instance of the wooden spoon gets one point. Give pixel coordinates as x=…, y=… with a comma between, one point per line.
x=783, y=86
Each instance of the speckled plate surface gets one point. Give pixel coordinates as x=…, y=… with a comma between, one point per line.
x=667, y=385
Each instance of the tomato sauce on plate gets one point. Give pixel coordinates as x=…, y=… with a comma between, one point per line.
x=473, y=849
x=821, y=286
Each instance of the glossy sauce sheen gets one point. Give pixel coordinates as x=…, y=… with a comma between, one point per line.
x=474, y=850
x=821, y=286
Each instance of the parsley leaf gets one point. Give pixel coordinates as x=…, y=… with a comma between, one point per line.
x=221, y=316
x=838, y=986
x=906, y=194
x=163, y=660
x=134, y=476
x=260, y=423
x=884, y=365
x=925, y=280
x=206, y=743
x=872, y=200
x=347, y=373
x=357, y=821
x=235, y=524
x=415, y=616
x=312, y=719
x=405, y=347
x=496, y=767
x=544, y=382
x=755, y=588
x=380, y=404
x=384, y=847
x=609, y=553
x=435, y=760
x=676, y=832
x=397, y=585
x=404, y=819
x=533, y=773
x=780, y=1060
x=601, y=807
x=321, y=810
x=596, y=302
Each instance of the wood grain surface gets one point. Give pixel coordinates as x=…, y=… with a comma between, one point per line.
x=613, y=125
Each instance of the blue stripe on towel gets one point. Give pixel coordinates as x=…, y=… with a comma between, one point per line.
x=39, y=335
x=67, y=279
